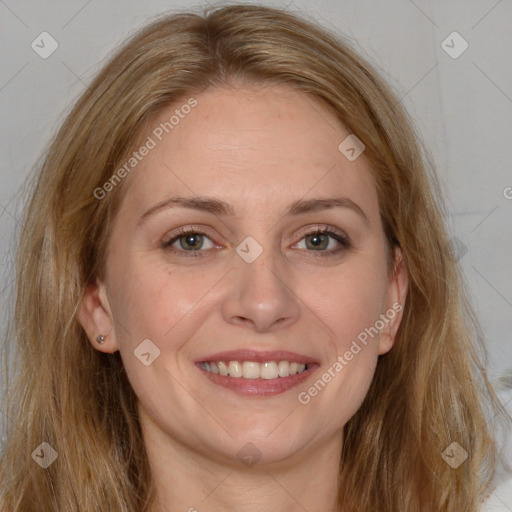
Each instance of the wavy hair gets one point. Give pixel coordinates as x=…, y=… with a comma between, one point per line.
x=429, y=391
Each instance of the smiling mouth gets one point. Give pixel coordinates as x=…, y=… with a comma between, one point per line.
x=254, y=370
x=255, y=379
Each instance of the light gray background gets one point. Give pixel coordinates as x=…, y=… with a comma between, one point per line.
x=462, y=106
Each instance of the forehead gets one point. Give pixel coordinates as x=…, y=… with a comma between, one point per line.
x=269, y=145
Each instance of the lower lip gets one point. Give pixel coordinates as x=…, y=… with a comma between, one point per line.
x=259, y=387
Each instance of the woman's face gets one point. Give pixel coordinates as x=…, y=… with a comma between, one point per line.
x=252, y=173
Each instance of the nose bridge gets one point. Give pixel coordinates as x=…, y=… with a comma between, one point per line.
x=262, y=293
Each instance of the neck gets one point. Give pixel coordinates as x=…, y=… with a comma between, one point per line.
x=190, y=481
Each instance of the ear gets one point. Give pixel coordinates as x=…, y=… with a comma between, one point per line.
x=394, y=303
x=95, y=316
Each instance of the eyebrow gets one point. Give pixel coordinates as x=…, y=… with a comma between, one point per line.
x=219, y=207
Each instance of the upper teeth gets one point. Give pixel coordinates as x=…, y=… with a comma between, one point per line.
x=253, y=370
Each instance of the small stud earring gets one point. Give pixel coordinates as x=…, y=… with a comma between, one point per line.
x=100, y=339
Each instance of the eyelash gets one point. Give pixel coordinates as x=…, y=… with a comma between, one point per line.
x=343, y=240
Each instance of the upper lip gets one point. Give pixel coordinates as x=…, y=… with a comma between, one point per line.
x=258, y=356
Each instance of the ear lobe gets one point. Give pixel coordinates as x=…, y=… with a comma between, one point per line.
x=397, y=294
x=94, y=314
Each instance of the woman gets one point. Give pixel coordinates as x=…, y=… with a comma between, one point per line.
x=235, y=292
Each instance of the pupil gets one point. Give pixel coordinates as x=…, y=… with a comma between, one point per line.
x=191, y=240
x=316, y=240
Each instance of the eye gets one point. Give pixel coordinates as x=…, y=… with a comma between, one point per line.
x=188, y=240
x=325, y=241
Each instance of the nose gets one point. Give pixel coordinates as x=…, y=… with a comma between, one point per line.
x=261, y=294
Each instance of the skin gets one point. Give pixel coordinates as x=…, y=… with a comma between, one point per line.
x=258, y=149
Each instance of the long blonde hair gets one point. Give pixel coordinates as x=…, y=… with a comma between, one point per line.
x=427, y=393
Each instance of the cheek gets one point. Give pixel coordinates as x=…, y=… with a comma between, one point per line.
x=164, y=305
x=350, y=309
x=350, y=302
x=158, y=311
